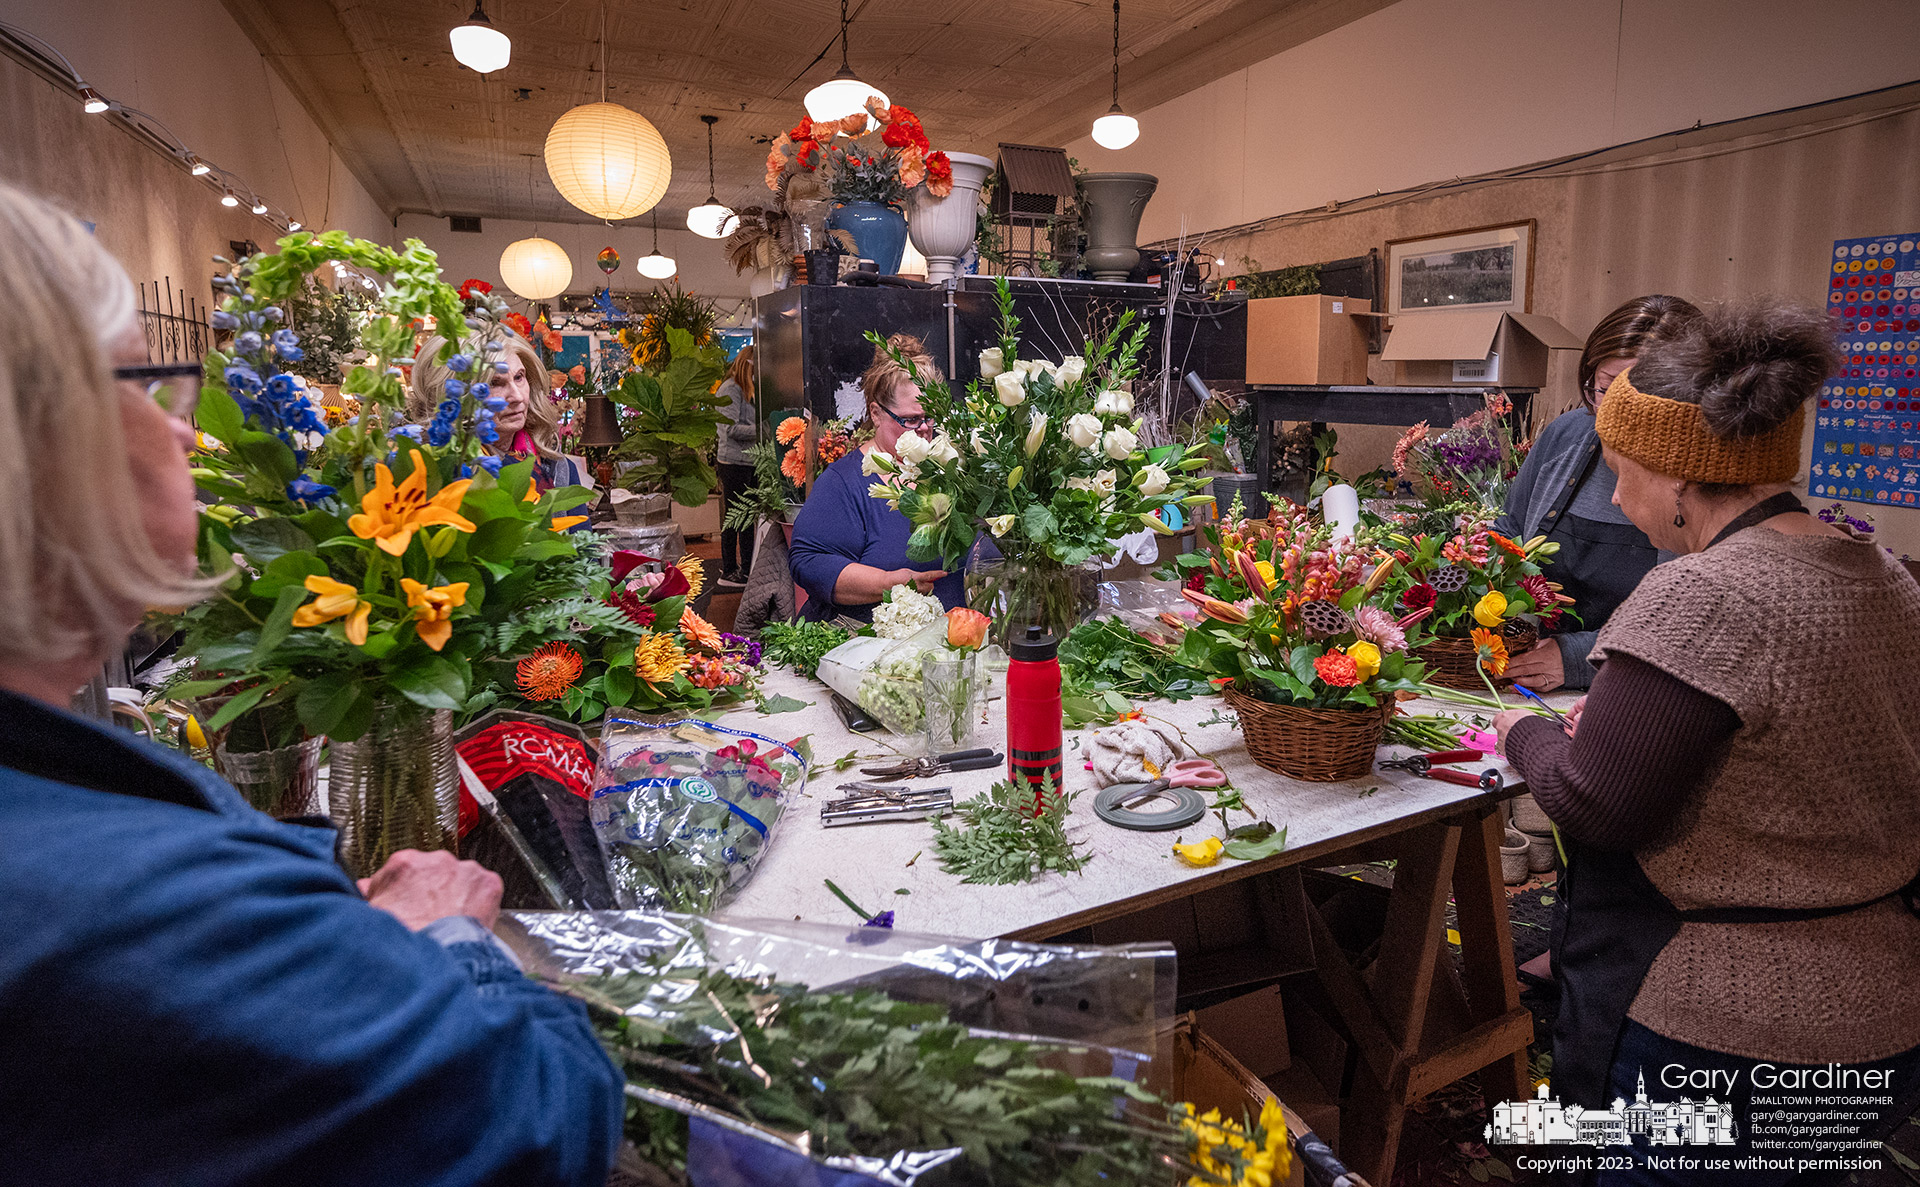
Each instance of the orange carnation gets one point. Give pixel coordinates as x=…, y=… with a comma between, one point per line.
x=1338, y=669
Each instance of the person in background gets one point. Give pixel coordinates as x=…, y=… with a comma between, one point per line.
x=850, y=548
x=1738, y=794
x=736, y=468
x=1564, y=491
x=527, y=424
x=191, y=991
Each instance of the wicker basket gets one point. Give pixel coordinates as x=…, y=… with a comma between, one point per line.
x=1316, y=745
x=1451, y=663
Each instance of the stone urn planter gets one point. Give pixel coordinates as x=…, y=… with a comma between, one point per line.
x=943, y=229
x=1113, y=203
x=1513, y=858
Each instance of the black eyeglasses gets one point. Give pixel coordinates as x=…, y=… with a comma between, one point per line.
x=912, y=424
x=164, y=385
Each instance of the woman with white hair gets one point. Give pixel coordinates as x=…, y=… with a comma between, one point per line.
x=190, y=991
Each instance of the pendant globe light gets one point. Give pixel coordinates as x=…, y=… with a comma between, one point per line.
x=711, y=220
x=536, y=269
x=1116, y=129
x=477, y=45
x=844, y=93
x=653, y=265
x=605, y=159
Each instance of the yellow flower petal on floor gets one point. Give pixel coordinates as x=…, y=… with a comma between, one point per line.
x=1201, y=853
x=1491, y=609
x=658, y=657
x=390, y=515
x=433, y=607
x=336, y=599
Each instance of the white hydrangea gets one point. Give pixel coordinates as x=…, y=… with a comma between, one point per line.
x=906, y=611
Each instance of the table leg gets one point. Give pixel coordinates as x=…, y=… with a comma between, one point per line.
x=1402, y=979
x=1486, y=949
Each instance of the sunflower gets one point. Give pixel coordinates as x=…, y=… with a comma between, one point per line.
x=699, y=631
x=548, y=673
x=695, y=572
x=1491, y=650
x=658, y=658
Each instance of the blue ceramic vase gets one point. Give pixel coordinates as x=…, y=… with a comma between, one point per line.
x=878, y=230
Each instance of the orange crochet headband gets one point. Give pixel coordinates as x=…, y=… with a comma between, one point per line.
x=1670, y=437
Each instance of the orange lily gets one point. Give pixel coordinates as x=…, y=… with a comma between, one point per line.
x=432, y=607
x=337, y=600
x=562, y=522
x=390, y=515
x=1214, y=608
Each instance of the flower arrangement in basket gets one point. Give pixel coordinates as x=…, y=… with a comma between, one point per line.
x=1044, y=457
x=1477, y=584
x=1296, y=621
x=880, y=165
x=1470, y=462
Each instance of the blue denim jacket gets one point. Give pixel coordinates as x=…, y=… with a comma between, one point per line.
x=192, y=992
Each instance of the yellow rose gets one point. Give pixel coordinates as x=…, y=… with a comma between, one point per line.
x=1201, y=853
x=1489, y=611
x=1365, y=657
x=1266, y=572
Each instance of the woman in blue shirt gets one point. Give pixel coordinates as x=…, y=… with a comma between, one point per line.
x=850, y=548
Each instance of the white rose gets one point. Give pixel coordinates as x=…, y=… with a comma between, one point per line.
x=1080, y=484
x=1152, y=479
x=1072, y=371
x=876, y=461
x=1036, y=432
x=1010, y=387
x=1028, y=366
x=1118, y=443
x=1114, y=402
x=1105, y=482
x=943, y=450
x=991, y=363
x=1083, y=429
x=998, y=524
x=913, y=448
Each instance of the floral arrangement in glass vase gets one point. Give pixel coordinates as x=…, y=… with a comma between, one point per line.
x=1476, y=585
x=1470, y=463
x=1041, y=456
x=367, y=565
x=1298, y=622
x=860, y=165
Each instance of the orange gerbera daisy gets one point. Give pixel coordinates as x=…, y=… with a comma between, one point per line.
x=794, y=466
x=1491, y=650
x=790, y=430
x=548, y=673
x=390, y=514
x=699, y=631
x=1507, y=545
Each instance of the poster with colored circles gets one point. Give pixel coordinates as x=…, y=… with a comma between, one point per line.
x=1866, y=435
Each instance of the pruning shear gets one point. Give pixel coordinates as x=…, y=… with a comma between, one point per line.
x=870, y=802
x=1423, y=764
x=939, y=764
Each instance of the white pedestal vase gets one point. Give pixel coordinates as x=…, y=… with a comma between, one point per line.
x=942, y=229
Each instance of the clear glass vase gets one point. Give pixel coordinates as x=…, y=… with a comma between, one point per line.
x=395, y=787
x=1018, y=591
x=954, y=687
x=267, y=757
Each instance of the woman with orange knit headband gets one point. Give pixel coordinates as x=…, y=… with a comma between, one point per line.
x=1738, y=794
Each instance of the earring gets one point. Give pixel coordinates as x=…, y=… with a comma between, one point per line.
x=1679, y=517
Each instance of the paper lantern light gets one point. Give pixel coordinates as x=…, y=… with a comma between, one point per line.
x=608, y=161
x=537, y=269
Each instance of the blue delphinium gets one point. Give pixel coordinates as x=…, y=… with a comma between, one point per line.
x=456, y=388
x=306, y=490
x=220, y=319
x=411, y=432
x=460, y=364
x=439, y=433
x=490, y=464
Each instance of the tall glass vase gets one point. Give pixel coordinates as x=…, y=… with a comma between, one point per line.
x=395, y=787
x=1029, y=588
x=954, y=687
x=266, y=756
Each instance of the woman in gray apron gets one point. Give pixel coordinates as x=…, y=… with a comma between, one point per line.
x=1738, y=796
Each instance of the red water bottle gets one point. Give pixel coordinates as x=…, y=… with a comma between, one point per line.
x=1033, y=714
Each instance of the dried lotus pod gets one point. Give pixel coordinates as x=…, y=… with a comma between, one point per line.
x=1324, y=618
x=1450, y=579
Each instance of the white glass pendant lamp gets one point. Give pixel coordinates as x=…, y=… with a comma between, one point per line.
x=653, y=265
x=1116, y=129
x=710, y=219
x=844, y=93
x=477, y=45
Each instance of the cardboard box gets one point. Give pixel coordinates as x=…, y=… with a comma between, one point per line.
x=1189, y=1066
x=1473, y=348
x=1253, y=1027
x=1312, y=339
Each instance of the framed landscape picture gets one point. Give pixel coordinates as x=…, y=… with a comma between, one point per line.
x=1478, y=268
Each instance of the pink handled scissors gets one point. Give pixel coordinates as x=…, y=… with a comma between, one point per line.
x=1194, y=772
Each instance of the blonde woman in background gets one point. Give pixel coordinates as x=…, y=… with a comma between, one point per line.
x=191, y=991
x=527, y=426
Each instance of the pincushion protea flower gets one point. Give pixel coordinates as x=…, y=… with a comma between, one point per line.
x=549, y=672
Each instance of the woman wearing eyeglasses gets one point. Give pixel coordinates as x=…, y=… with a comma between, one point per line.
x=849, y=548
x=1564, y=491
